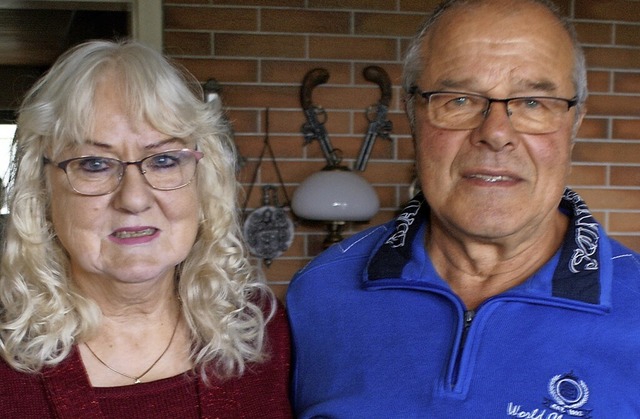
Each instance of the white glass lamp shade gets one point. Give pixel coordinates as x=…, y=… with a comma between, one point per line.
x=335, y=195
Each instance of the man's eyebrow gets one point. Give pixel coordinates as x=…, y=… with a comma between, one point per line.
x=468, y=85
x=543, y=85
x=455, y=84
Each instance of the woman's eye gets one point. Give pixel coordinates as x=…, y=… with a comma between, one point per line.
x=94, y=164
x=164, y=161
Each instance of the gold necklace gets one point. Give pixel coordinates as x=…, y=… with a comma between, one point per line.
x=136, y=380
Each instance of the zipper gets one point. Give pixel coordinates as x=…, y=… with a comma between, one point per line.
x=468, y=317
x=456, y=381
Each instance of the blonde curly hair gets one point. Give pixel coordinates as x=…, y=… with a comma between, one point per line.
x=42, y=313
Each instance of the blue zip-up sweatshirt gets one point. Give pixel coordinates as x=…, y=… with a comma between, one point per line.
x=378, y=334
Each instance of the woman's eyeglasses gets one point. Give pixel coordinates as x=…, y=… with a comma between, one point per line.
x=96, y=175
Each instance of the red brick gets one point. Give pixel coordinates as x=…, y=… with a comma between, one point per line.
x=176, y=17
x=625, y=10
x=614, y=199
x=353, y=4
x=387, y=24
x=224, y=70
x=189, y=2
x=304, y=21
x=626, y=129
x=613, y=105
x=587, y=175
x=286, y=71
x=624, y=221
x=628, y=34
x=594, y=33
x=244, y=120
x=389, y=173
x=625, y=175
x=262, y=96
x=263, y=3
x=243, y=45
x=425, y=6
x=612, y=57
x=599, y=81
x=187, y=43
x=283, y=147
x=627, y=83
x=593, y=127
x=352, y=48
x=606, y=152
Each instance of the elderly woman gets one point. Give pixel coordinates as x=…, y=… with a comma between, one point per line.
x=125, y=289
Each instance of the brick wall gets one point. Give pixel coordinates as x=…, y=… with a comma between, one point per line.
x=259, y=50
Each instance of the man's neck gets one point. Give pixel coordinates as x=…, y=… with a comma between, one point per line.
x=478, y=269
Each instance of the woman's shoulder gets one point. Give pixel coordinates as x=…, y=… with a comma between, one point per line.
x=21, y=393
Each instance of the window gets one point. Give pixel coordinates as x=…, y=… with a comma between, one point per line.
x=35, y=32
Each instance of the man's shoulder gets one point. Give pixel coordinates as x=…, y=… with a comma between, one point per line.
x=339, y=267
x=624, y=259
x=359, y=246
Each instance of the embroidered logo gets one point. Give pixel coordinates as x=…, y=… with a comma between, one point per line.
x=568, y=396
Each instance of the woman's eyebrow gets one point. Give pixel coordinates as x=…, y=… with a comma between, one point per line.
x=172, y=140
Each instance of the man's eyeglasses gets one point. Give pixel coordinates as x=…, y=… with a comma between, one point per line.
x=530, y=115
x=95, y=175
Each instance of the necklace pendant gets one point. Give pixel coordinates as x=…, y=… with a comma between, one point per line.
x=137, y=380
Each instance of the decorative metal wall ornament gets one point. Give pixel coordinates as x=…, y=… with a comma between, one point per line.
x=379, y=124
x=316, y=116
x=268, y=230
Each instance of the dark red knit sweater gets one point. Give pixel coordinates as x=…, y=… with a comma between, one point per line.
x=65, y=391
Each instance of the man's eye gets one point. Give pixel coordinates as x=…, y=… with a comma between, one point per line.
x=531, y=103
x=460, y=101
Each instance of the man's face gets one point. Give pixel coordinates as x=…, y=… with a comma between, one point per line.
x=493, y=182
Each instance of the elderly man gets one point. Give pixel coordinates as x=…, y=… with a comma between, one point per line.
x=495, y=293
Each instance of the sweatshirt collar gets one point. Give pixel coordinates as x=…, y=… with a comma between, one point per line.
x=576, y=275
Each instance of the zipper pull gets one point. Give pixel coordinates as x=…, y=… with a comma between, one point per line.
x=468, y=319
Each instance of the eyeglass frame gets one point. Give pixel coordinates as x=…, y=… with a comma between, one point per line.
x=427, y=96
x=124, y=164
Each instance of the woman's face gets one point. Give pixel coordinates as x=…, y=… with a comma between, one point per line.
x=135, y=234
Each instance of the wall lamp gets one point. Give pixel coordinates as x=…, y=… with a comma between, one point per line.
x=335, y=196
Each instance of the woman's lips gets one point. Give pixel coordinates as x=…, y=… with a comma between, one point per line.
x=134, y=233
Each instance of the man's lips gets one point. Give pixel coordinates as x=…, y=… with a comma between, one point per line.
x=492, y=178
x=134, y=233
